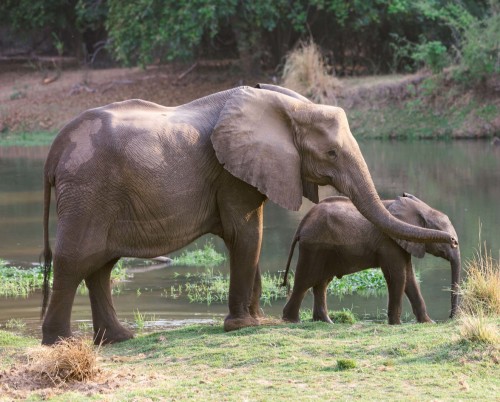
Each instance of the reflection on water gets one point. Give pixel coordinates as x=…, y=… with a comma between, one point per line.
x=460, y=178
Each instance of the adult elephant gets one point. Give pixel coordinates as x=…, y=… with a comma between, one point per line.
x=138, y=179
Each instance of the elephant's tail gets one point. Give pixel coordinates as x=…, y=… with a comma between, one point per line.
x=290, y=255
x=47, y=252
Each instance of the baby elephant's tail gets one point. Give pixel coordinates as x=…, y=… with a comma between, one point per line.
x=290, y=255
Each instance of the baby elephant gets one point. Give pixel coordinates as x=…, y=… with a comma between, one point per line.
x=336, y=240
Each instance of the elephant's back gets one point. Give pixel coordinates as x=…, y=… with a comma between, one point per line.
x=335, y=221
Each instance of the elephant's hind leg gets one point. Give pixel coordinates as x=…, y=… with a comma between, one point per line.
x=57, y=321
x=107, y=328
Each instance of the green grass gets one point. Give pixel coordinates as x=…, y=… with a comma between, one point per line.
x=211, y=286
x=21, y=282
x=27, y=139
x=203, y=257
x=366, y=361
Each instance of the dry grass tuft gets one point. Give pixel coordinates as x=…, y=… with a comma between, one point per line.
x=480, y=292
x=305, y=72
x=480, y=299
x=476, y=328
x=69, y=360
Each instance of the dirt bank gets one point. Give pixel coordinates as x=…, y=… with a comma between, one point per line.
x=411, y=106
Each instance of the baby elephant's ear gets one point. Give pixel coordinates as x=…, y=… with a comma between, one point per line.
x=406, y=209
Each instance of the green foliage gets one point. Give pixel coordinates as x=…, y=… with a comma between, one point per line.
x=345, y=364
x=367, y=282
x=481, y=48
x=18, y=282
x=343, y=317
x=205, y=257
x=168, y=29
x=210, y=286
x=359, y=35
x=21, y=282
x=433, y=54
x=15, y=323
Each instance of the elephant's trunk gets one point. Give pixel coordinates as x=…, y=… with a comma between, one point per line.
x=456, y=268
x=360, y=189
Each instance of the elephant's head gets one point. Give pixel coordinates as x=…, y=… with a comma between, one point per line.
x=416, y=212
x=284, y=145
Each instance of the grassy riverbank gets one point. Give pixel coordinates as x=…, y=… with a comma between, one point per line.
x=302, y=361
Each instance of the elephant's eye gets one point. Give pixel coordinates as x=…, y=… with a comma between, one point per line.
x=332, y=153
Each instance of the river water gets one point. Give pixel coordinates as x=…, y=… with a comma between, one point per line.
x=460, y=178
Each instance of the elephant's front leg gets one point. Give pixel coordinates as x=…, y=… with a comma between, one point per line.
x=395, y=277
x=242, y=276
x=255, y=310
x=241, y=211
x=107, y=328
x=413, y=293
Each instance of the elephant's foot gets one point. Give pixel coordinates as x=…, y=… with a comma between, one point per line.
x=232, y=324
x=257, y=312
x=290, y=313
x=425, y=320
x=322, y=317
x=108, y=335
x=290, y=319
x=51, y=336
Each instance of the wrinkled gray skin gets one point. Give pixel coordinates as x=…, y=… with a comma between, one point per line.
x=136, y=179
x=336, y=240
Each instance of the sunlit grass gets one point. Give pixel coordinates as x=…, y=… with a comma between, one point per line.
x=480, y=291
x=480, y=299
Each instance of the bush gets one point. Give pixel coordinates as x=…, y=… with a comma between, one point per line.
x=306, y=72
x=433, y=55
x=481, y=48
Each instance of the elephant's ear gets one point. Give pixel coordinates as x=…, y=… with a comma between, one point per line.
x=253, y=139
x=406, y=209
x=309, y=189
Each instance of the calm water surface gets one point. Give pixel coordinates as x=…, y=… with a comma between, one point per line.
x=460, y=178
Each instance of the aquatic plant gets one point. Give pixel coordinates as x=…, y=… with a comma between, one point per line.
x=203, y=257
x=19, y=282
x=210, y=286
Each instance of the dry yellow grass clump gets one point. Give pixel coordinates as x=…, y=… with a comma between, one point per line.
x=481, y=289
x=480, y=294
x=69, y=360
x=305, y=72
